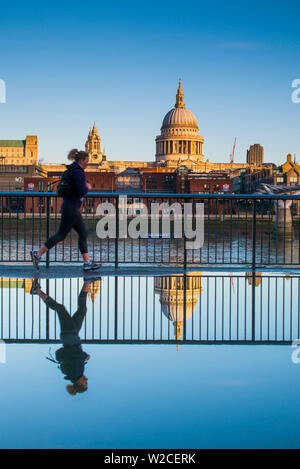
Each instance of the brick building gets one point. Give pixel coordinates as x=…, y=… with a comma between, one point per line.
x=158, y=180
x=210, y=183
x=100, y=182
x=12, y=180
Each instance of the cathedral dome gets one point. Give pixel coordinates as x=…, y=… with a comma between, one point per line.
x=179, y=116
x=179, y=138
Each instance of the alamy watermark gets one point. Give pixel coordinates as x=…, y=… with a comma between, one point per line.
x=2, y=351
x=296, y=93
x=2, y=92
x=136, y=221
x=295, y=357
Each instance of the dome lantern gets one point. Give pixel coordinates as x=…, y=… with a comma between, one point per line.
x=179, y=96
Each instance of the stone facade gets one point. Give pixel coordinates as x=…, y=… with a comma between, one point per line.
x=19, y=152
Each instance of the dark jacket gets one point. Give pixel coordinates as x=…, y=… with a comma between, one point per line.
x=79, y=184
x=72, y=360
x=71, y=357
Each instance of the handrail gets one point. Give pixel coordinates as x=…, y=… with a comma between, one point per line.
x=167, y=195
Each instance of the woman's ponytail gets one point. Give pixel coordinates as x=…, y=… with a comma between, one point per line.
x=76, y=155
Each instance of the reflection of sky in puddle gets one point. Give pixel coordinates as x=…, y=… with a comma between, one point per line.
x=151, y=395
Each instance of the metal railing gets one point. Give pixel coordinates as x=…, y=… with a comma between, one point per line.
x=239, y=230
x=251, y=308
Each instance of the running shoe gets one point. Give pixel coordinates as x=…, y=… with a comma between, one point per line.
x=35, y=259
x=91, y=266
x=35, y=287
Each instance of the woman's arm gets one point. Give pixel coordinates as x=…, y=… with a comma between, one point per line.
x=80, y=182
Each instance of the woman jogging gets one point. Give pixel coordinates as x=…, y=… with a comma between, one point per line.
x=71, y=358
x=75, y=188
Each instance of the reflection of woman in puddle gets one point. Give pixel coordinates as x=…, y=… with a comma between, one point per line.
x=71, y=357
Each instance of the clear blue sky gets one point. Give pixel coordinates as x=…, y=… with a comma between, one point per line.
x=67, y=64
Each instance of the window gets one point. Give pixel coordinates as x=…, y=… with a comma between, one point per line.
x=41, y=204
x=168, y=182
x=151, y=182
x=293, y=180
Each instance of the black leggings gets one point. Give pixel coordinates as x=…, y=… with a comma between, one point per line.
x=70, y=218
x=69, y=323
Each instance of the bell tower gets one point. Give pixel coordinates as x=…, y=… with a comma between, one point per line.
x=93, y=146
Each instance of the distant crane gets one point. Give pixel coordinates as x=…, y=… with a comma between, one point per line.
x=233, y=150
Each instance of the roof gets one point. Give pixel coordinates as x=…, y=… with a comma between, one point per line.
x=180, y=117
x=12, y=143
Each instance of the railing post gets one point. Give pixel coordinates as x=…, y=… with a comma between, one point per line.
x=253, y=306
x=116, y=308
x=184, y=306
x=117, y=234
x=48, y=229
x=184, y=235
x=47, y=312
x=184, y=253
x=254, y=235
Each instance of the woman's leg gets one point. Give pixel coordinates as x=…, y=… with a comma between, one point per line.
x=80, y=227
x=65, y=319
x=68, y=218
x=69, y=214
x=79, y=315
x=82, y=232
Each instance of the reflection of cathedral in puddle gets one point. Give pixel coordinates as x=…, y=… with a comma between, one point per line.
x=171, y=292
x=258, y=278
x=94, y=289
